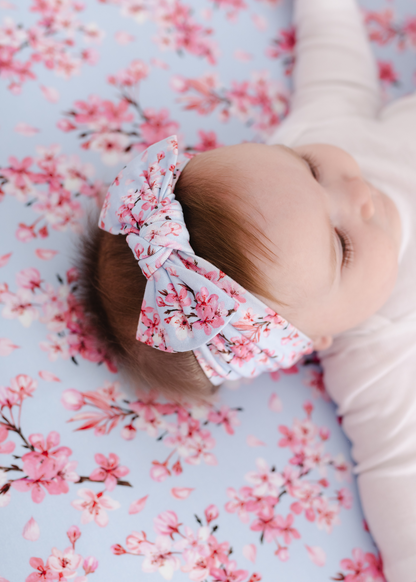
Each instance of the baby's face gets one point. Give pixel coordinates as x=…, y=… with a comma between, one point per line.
x=335, y=236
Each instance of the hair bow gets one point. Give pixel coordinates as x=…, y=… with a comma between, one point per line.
x=182, y=308
x=189, y=304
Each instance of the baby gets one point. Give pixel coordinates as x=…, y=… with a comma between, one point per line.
x=250, y=256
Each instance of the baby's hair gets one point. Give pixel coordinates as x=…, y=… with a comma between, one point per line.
x=112, y=285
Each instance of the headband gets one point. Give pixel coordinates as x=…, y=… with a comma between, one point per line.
x=189, y=304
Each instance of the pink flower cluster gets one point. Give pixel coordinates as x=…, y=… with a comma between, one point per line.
x=382, y=29
x=264, y=496
x=284, y=46
x=94, y=506
x=50, y=41
x=63, y=566
x=203, y=557
x=177, y=29
x=58, y=309
x=186, y=434
x=46, y=466
x=63, y=178
x=102, y=122
x=362, y=566
x=261, y=102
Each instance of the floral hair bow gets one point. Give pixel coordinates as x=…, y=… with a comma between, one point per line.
x=188, y=303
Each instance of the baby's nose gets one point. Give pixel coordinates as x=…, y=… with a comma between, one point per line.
x=361, y=194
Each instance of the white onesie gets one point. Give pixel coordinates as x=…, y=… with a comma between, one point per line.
x=370, y=371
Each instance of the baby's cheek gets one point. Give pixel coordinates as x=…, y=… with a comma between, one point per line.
x=387, y=270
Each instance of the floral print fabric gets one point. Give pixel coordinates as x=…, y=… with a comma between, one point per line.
x=98, y=483
x=189, y=303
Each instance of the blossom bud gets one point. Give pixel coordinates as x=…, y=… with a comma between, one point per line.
x=211, y=513
x=118, y=550
x=72, y=399
x=73, y=534
x=90, y=565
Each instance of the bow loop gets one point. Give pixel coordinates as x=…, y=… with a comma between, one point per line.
x=141, y=204
x=182, y=319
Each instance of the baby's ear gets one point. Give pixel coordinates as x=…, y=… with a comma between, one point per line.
x=323, y=342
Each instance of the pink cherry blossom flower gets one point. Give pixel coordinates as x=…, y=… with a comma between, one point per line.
x=345, y=498
x=157, y=125
x=228, y=573
x=239, y=503
x=19, y=305
x=387, y=73
x=225, y=416
x=327, y=515
x=135, y=72
x=56, y=347
x=109, y=471
x=159, y=557
x=356, y=566
x=342, y=468
x=136, y=542
x=23, y=386
x=285, y=529
x=18, y=172
x=94, y=506
x=39, y=474
x=8, y=397
x=375, y=567
x=210, y=311
x=29, y=279
x=267, y=523
x=307, y=494
x=25, y=233
x=166, y=523
x=64, y=563
x=43, y=571
x=265, y=481
x=112, y=146
x=208, y=141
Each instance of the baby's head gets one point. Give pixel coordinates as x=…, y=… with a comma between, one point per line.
x=319, y=250
x=334, y=238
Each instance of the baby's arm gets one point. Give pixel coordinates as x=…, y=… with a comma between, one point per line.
x=372, y=379
x=335, y=72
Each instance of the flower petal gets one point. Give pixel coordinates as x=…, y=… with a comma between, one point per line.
x=48, y=376
x=316, y=554
x=181, y=492
x=45, y=254
x=250, y=552
x=31, y=530
x=6, y=346
x=138, y=505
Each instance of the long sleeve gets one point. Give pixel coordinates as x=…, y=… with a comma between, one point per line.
x=335, y=72
x=372, y=379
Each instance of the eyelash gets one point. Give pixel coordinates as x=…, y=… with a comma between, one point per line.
x=312, y=164
x=347, y=248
